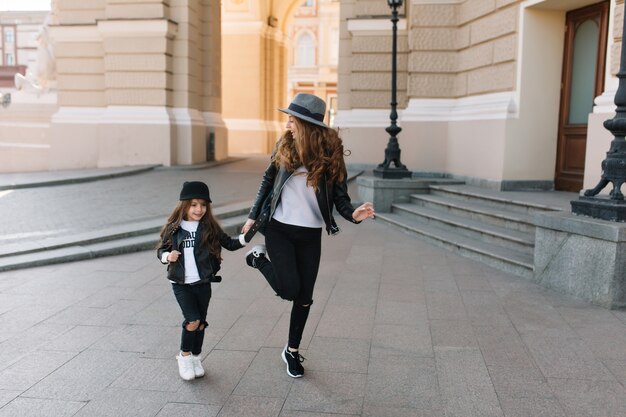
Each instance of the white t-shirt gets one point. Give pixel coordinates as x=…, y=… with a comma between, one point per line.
x=191, y=269
x=298, y=204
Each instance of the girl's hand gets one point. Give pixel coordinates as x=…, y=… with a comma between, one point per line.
x=173, y=256
x=247, y=226
x=364, y=211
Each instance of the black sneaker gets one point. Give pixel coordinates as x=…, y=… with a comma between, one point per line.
x=255, y=254
x=294, y=363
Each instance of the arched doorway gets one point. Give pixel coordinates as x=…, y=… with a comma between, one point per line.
x=270, y=51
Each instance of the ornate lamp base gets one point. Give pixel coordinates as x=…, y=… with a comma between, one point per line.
x=600, y=208
x=388, y=172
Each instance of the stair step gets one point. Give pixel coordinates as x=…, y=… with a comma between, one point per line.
x=477, y=211
x=505, y=259
x=492, y=200
x=455, y=224
x=106, y=246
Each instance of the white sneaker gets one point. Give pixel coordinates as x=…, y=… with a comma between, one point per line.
x=197, y=366
x=185, y=367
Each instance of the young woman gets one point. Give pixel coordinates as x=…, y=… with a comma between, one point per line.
x=306, y=177
x=191, y=245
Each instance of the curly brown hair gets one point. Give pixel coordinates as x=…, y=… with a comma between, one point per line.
x=210, y=227
x=319, y=149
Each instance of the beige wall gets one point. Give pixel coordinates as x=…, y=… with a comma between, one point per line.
x=478, y=86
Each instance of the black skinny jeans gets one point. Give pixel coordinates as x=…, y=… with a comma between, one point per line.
x=295, y=253
x=194, y=303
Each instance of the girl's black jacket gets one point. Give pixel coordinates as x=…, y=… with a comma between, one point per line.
x=328, y=195
x=208, y=265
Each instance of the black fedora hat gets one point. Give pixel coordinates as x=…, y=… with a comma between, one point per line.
x=307, y=107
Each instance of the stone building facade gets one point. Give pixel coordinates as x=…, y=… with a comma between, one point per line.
x=479, y=85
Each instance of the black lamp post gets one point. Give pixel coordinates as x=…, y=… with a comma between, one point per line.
x=612, y=208
x=392, y=152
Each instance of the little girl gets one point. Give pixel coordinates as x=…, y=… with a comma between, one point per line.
x=191, y=245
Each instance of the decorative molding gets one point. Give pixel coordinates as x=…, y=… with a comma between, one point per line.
x=364, y=118
x=483, y=107
x=125, y=28
x=137, y=115
x=605, y=103
x=75, y=33
x=23, y=145
x=78, y=115
x=374, y=26
x=254, y=27
x=213, y=119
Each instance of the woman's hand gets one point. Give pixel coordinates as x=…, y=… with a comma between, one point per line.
x=173, y=256
x=247, y=226
x=364, y=211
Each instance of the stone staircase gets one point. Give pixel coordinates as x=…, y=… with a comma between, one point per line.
x=476, y=223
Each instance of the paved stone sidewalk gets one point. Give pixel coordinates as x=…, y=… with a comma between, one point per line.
x=398, y=328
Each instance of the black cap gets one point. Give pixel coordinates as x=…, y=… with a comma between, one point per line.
x=194, y=189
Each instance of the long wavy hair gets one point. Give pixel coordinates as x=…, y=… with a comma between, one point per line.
x=318, y=149
x=211, y=229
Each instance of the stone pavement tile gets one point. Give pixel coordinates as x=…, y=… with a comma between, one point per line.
x=224, y=369
x=122, y=312
x=32, y=368
x=466, y=282
x=441, y=281
x=328, y=392
x=590, y=316
x=150, y=374
x=266, y=376
x=150, y=341
x=465, y=384
x=7, y=396
x=79, y=338
x=353, y=295
x=33, y=407
x=483, y=307
x=585, y=398
x=402, y=313
x=519, y=382
x=561, y=355
x=248, y=333
x=188, y=410
x=530, y=313
x=445, y=306
x=83, y=377
x=531, y=407
x=279, y=335
x=387, y=411
x=502, y=346
x=116, y=402
x=269, y=307
x=405, y=293
x=602, y=339
x=240, y=406
x=403, y=382
x=346, y=279
x=294, y=413
x=620, y=314
x=393, y=339
x=35, y=336
x=346, y=321
x=104, y=298
x=618, y=369
x=452, y=333
x=327, y=354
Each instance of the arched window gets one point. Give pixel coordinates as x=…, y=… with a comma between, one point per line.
x=305, y=50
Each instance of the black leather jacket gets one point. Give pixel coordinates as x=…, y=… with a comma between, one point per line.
x=208, y=265
x=328, y=195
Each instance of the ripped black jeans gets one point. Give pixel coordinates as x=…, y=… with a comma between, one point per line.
x=295, y=253
x=194, y=303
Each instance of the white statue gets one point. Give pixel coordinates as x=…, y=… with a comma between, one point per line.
x=45, y=70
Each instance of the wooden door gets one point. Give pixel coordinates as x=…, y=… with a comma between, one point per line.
x=582, y=81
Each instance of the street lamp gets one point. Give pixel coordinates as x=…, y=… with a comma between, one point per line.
x=392, y=152
x=612, y=208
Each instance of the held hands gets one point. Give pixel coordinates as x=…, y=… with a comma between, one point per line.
x=173, y=256
x=364, y=211
x=247, y=226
